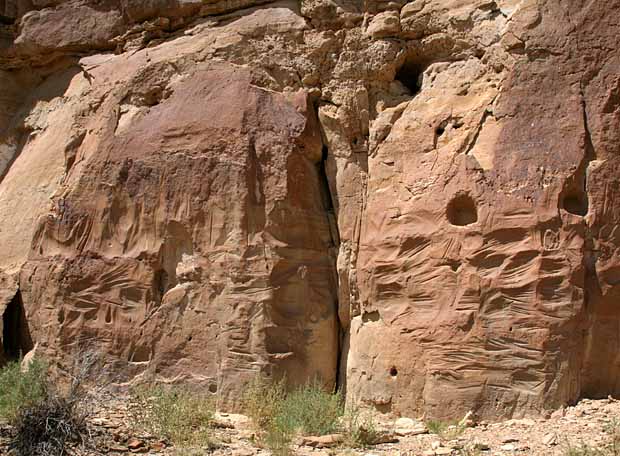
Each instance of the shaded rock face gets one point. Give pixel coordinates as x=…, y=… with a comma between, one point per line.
x=416, y=202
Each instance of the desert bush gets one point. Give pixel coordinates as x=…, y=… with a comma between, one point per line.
x=279, y=434
x=263, y=403
x=50, y=427
x=176, y=414
x=21, y=388
x=279, y=416
x=45, y=420
x=359, y=427
x=312, y=410
x=446, y=431
x=262, y=400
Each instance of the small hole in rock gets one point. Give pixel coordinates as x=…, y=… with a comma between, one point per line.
x=189, y=338
x=440, y=130
x=462, y=211
x=393, y=371
x=213, y=388
x=410, y=75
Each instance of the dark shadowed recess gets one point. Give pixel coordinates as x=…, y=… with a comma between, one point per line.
x=16, y=339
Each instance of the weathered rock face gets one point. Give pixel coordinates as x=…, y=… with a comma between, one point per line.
x=415, y=201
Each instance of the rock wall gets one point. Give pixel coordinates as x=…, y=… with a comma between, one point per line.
x=416, y=202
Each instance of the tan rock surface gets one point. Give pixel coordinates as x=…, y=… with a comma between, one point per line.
x=417, y=201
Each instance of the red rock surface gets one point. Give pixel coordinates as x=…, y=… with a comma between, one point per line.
x=415, y=201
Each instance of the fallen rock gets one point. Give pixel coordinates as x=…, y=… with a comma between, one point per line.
x=323, y=441
x=550, y=439
x=135, y=444
x=408, y=426
x=510, y=439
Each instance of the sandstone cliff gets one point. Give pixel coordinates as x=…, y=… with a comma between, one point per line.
x=418, y=202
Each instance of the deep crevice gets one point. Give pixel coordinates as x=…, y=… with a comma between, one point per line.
x=16, y=338
x=574, y=196
x=328, y=205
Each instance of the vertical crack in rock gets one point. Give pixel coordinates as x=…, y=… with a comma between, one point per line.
x=328, y=204
x=574, y=197
x=592, y=293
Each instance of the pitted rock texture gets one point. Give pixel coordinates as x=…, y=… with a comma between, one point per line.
x=415, y=201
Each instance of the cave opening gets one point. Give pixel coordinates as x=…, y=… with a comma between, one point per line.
x=16, y=338
x=410, y=74
x=5, y=20
x=576, y=203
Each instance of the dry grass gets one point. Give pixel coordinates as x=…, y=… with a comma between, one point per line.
x=176, y=414
x=279, y=416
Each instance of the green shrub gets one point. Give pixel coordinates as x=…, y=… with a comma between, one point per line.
x=20, y=389
x=262, y=401
x=359, y=427
x=312, y=410
x=279, y=434
x=278, y=416
x=446, y=431
x=176, y=414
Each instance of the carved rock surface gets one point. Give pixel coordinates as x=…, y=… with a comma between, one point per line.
x=415, y=201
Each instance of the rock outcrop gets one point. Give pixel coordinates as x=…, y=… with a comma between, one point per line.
x=417, y=202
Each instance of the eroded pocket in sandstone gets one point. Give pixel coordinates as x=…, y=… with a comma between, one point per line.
x=462, y=211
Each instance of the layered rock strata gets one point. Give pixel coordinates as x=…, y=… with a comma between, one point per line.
x=416, y=202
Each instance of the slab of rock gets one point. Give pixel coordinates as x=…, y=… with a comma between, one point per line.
x=407, y=426
x=323, y=441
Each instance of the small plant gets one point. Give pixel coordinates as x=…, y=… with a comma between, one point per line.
x=278, y=434
x=263, y=403
x=586, y=450
x=262, y=400
x=312, y=410
x=610, y=448
x=176, y=414
x=446, y=431
x=279, y=416
x=21, y=388
x=360, y=429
